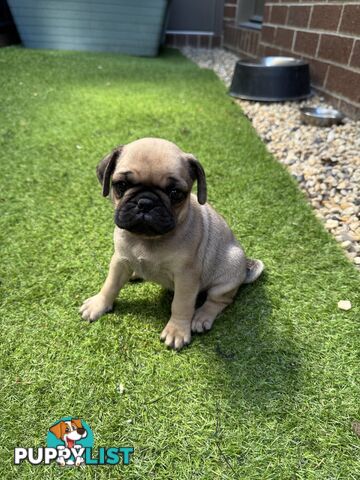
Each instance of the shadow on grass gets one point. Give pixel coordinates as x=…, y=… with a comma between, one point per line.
x=261, y=361
x=257, y=362
x=250, y=356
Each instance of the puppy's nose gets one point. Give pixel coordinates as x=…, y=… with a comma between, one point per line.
x=81, y=431
x=145, y=204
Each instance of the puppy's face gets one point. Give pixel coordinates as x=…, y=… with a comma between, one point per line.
x=150, y=182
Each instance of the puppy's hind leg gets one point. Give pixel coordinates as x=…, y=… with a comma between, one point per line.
x=218, y=298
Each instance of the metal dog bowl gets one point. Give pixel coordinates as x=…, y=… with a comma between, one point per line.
x=320, y=116
x=271, y=79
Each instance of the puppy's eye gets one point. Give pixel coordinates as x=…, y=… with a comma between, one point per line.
x=67, y=430
x=121, y=187
x=176, y=196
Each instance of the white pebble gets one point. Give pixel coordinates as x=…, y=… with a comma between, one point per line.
x=344, y=305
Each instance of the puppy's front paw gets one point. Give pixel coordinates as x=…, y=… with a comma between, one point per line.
x=202, y=321
x=176, y=335
x=94, y=307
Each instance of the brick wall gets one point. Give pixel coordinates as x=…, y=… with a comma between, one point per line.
x=326, y=33
x=197, y=40
x=244, y=41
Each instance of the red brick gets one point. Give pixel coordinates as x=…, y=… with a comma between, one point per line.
x=227, y=32
x=350, y=110
x=355, y=57
x=244, y=40
x=284, y=38
x=325, y=17
x=306, y=42
x=204, y=41
x=215, y=41
x=270, y=51
x=261, y=50
x=278, y=14
x=350, y=22
x=238, y=39
x=256, y=49
x=249, y=39
x=251, y=43
x=248, y=42
x=299, y=16
x=226, y=25
x=255, y=41
x=337, y=49
x=232, y=39
x=267, y=14
x=344, y=82
x=255, y=38
x=230, y=11
x=236, y=36
x=192, y=40
x=318, y=72
x=268, y=34
x=180, y=40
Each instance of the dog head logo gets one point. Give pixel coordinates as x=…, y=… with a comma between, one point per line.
x=69, y=431
x=70, y=435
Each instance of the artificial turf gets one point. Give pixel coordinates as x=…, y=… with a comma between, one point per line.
x=270, y=393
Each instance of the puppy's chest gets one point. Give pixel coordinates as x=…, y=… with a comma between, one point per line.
x=151, y=266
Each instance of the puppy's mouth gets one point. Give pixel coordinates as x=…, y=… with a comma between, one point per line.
x=145, y=214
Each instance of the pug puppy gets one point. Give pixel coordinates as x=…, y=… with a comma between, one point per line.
x=166, y=234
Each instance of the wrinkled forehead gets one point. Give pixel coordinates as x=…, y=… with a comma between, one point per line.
x=154, y=164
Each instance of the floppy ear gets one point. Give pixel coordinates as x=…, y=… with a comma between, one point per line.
x=106, y=167
x=58, y=430
x=197, y=173
x=77, y=422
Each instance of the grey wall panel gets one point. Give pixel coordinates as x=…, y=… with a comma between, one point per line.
x=133, y=27
x=196, y=15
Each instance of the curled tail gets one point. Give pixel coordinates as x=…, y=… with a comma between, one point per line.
x=254, y=269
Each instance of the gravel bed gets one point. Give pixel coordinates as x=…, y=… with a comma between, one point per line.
x=324, y=161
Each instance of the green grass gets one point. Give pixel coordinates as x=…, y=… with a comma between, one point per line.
x=269, y=393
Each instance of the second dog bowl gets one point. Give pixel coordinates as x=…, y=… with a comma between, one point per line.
x=320, y=116
x=271, y=79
